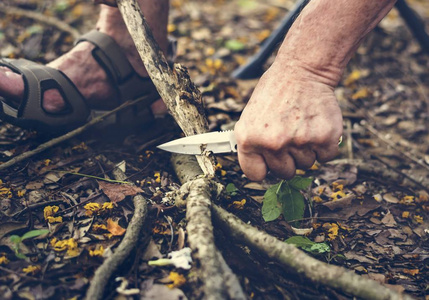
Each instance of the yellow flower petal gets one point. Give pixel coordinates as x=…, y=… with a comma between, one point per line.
x=177, y=279
x=3, y=260
x=31, y=269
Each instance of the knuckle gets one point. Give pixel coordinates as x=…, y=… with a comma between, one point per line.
x=301, y=141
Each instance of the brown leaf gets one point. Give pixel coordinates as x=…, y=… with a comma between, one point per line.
x=340, y=203
x=412, y=272
x=114, y=228
x=389, y=220
x=117, y=192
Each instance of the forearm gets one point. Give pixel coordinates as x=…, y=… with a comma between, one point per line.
x=326, y=34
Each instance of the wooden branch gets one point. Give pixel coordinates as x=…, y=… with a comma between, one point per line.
x=128, y=243
x=48, y=20
x=183, y=99
x=218, y=280
x=65, y=137
x=201, y=238
x=291, y=257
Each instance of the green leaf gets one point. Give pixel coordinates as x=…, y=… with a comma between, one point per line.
x=319, y=248
x=249, y=4
x=270, y=207
x=15, y=239
x=231, y=189
x=234, y=45
x=62, y=6
x=300, y=183
x=34, y=233
x=34, y=29
x=293, y=203
x=307, y=245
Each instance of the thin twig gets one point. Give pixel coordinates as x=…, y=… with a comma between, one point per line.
x=408, y=155
x=24, y=276
x=385, y=171
x=48, y=20
x=349, y=141
x=65, y=137
x=100, y=178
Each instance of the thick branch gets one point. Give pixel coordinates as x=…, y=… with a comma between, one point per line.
x=183, y=99
x=218, y=280
x=291, y=257
x=128, y=243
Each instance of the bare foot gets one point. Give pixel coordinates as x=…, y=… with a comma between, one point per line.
x=82, y=69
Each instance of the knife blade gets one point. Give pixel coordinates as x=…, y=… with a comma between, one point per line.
x=216, y=142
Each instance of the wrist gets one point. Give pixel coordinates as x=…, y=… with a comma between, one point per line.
x=304, y=70
x=309, y=70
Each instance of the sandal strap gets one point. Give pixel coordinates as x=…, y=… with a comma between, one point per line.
x=111, y=58
x=38, y=79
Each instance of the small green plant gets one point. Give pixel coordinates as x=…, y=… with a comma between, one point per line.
x=17, y=240
x=308, y=245
x=231, y=190
x=285, y=197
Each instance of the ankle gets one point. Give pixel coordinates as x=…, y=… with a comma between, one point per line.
x=111, y=23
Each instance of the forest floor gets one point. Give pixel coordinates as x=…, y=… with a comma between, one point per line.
x=370, y=219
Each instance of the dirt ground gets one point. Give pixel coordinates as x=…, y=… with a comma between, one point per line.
x=370, y=205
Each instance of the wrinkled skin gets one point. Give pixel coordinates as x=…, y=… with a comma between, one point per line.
x=292, y=118
x=290, y=121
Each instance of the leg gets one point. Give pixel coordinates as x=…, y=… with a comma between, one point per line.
x=80, y=66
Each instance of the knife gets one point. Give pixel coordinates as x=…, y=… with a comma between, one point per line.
x=216, y=142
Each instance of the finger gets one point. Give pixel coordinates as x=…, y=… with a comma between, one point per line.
x=253, y=165
x=304, y=158
x=281, y=164
x=324, y=154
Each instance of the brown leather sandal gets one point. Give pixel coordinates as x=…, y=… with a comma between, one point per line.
x=29, y=114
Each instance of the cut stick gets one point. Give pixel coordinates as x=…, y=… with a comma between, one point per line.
x=182, y=98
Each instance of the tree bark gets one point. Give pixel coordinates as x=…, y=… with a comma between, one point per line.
x=183, y=99
x=219, y=281
x=128, y=243
x=291, y=257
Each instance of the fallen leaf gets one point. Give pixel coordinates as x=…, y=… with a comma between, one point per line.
x=340, y=203
x=255, y=186
x=412, y=272
x=390, y=198
x=389, y=220
x=360, y=258
x=117, y=192
x=52, y=177
x=114, y=228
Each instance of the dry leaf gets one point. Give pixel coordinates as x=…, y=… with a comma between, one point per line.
x=114, y=228
x=117, y=192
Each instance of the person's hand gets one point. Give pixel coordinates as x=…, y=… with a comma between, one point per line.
x=107, y=2
x=291, y=120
